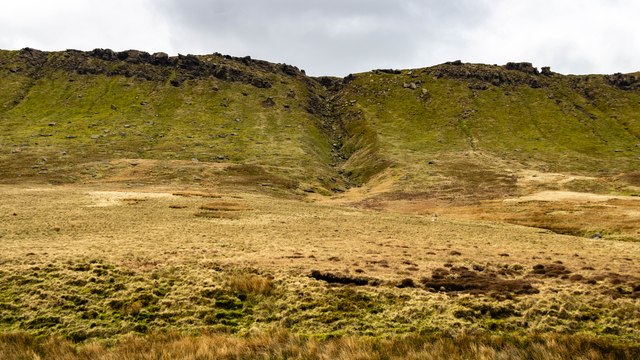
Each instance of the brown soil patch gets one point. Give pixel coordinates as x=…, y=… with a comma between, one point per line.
x=343, y=279
x=464, y=280
x=625, y=286
x=632, y=178
x=222, y=210
x=197, y=193
x=224, y=206
x=114, y=198
x=217, y=215
x=551, y=271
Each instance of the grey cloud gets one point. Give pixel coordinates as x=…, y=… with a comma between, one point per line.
x=337, y=37
x=325, y=37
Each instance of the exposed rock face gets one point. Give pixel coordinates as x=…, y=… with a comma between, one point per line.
x=331, y=83
x=290, y=70
x=104, y=54
x=177, y=69
x=478, y=86
x=135, y=56
x=260, y=83
x=623, y=81
x=161, y=58
x=33, y=57
x=487, y=75
x=410, y=85
x=525, y=67
x=188, y=62
x=349, y=78
x=389, y=71
x=156, y=67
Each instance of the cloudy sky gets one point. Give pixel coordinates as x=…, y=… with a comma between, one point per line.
x=338, y=37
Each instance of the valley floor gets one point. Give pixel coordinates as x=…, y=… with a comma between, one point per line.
x=100, y=262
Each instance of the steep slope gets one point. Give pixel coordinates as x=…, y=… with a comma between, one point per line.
x=453, y=131
x=457, y=129
x=65, y=116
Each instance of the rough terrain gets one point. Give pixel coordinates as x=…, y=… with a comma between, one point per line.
x=198, y=195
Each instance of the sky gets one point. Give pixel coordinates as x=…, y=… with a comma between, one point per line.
x=338, y=37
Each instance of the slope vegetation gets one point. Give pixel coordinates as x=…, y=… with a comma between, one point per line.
x=450, y=131
x=468, y=129
x=65, y=116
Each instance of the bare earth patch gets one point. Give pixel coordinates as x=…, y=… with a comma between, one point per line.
x=114, y=198
x=570, y=196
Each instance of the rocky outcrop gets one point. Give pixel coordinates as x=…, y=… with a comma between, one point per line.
x=388, y=71
x=330, y=83
x=482, y=76
x=268, y=102
x=524, y=67
x=104, y=54
x=153, y=67
x=33, y=59
x=623, y=81
x=161, y=58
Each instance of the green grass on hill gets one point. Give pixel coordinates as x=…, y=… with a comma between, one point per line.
x=567, y=124
x=69, y=119
x=430, y=126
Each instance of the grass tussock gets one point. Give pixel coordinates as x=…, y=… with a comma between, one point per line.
x=250, y=284
x=281, y=344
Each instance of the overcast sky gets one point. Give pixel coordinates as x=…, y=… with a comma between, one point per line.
x=338, y=37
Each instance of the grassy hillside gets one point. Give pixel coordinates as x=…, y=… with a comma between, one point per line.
x=457, y=124
x=62, y=112
x=443, y=131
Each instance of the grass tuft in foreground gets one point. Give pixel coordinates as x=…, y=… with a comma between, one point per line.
x=280, y=344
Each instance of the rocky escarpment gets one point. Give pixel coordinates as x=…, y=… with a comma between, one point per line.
x=624, y=81
x=74, y=106
x=484, y=75
x=154, y=67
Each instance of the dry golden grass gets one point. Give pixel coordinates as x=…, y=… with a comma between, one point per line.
x=279, y=344
x=572, y=214
x=81, y=263
x=250, y=284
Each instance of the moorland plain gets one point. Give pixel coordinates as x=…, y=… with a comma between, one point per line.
x=219, y=207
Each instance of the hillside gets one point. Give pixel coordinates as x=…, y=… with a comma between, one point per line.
x=438, y=130
x=66, y=116
x=465, y=121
